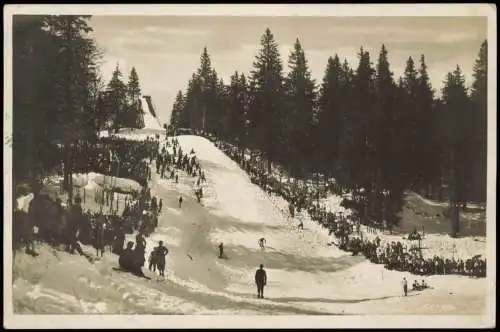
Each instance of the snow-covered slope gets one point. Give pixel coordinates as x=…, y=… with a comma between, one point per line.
x=305, y=275
x=150, y=121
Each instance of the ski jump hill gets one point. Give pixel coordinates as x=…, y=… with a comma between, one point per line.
x=305, y=275
x=151, y=127
x=150, y=117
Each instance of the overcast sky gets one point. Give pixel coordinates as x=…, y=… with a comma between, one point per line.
x=165, y=50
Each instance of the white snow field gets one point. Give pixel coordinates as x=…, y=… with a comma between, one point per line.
x=149, y=120
x=305, y=274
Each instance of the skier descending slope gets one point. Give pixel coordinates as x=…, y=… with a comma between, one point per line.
x=221, y=250
x=301, y=225
x=262, y=242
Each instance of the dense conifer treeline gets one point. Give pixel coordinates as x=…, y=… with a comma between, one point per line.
x=374, y=133
x=59, y=98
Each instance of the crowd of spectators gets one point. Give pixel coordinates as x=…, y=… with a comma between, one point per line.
x=395, y=255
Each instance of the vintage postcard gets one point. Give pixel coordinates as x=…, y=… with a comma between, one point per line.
x=279, y=166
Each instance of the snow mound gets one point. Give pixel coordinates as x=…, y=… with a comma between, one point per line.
x=134, y=134
x=93, y=181
x=23, y=202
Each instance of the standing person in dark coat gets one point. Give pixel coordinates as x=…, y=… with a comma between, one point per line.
x=161, y=252
x=158, y=164
x=99, y=235
x=404, y=283
x=140, y=248
x=153, y=261
x=260, y=281
x=163, y=168
x=119, y=240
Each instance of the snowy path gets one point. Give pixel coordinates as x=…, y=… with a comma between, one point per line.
x=305, y=275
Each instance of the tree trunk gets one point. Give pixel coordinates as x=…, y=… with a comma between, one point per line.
x=69, y=102
x=70, y=174
x=317, y=186
x=454, y=207
x=440, y=192
x=65, y=169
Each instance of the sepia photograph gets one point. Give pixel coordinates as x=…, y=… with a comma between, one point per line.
x=249, y=166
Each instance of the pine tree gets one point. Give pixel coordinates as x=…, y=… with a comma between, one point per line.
x=76, y=59
x=212, y=112
x=191, y=115
x=133, y=88
x=33, y=94
x=409, y=121
x=426, y=144
x=178, y=108
x=135, y=113
x=330, y=115
x=205, y=77
x=116, y=99
x=300, y=97
x=359, y=160
x=347, y=125
x=238, y=93
x=219, y=113
x=480, y=114
x=383, y=138
x=266, y=86
x=456, y=108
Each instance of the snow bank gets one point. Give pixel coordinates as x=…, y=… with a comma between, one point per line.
x=332, y=203
x=133, y=134
x=23, y=202
x=113, y=183
x=93, y=181
x=85, y=288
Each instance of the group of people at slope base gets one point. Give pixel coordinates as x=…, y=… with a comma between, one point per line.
x=416, y=286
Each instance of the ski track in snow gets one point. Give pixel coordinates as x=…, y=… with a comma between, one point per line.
x=305, y=275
